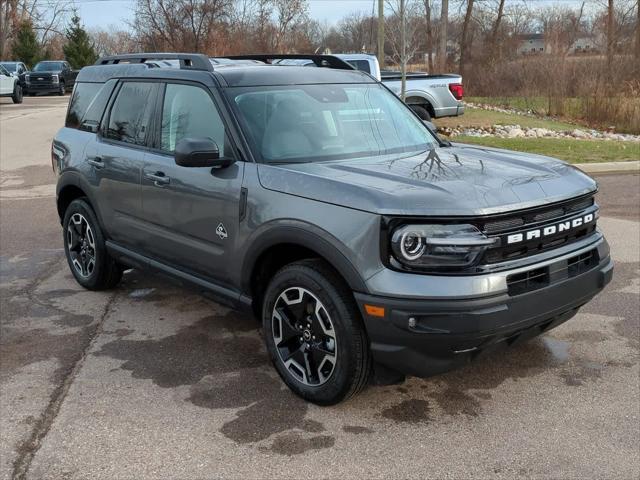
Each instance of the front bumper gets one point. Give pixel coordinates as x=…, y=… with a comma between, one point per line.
x=424, y=337
x=43, y=88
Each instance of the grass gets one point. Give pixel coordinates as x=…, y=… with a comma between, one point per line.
x=573, y=151
x=485, y=118
x=621, y=112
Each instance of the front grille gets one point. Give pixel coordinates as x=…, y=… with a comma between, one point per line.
x=538, y=219
x=535, y=279
x=582, y=263
x=529, y=281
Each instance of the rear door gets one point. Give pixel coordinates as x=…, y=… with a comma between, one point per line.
x=116, y=158
x=192, y=213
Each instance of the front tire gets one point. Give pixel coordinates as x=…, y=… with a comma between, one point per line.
x=17, y=94
x=62, y=89
x=314, y=333
x=85, y=249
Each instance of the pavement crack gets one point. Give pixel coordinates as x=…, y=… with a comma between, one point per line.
x=28, y=449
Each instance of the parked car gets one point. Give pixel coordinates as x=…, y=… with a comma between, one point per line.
x=10, y=86
x=430, y=96
x=17, y=69
x=316, y=199
x=49, y=76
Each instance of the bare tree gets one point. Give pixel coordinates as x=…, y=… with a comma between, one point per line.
x=429, y=28
x=179, y=24
x=494, y=44
x=402, y=27
x=442, y=47
x=464, y=41
x=47, y=17
x=289, y=13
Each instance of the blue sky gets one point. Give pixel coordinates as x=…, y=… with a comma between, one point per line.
x=104, y=13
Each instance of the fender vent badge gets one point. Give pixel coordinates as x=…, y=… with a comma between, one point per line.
x=221, y=231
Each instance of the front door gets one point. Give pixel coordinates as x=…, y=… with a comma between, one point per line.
x=192, y=213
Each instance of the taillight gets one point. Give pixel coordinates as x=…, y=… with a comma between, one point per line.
x=456, y=90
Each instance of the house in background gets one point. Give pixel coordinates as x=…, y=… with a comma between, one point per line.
x=536, y=43
x=531, y=43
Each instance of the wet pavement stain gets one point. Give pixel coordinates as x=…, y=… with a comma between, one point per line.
x=628, y=303
x=579, y=374
x=295, y=444
x=267, y=406
x=356, y=429
x=408, y=411
x=194, y=352
x=454, y=401
x=587, y=336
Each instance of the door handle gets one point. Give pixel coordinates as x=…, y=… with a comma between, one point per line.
x=159, y=178
x=96, y=162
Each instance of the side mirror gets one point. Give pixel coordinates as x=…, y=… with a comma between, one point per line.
x=199, y=152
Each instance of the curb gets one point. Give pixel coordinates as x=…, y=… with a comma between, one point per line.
x=632, y=167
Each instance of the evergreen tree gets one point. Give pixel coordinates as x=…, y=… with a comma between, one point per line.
x=25, y=47
x=79, y=50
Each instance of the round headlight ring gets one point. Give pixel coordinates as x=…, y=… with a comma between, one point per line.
x=412, y=245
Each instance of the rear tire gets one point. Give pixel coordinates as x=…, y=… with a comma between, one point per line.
x=17, y=93
x=314, y=333
x=85, y=249
x=422, y=112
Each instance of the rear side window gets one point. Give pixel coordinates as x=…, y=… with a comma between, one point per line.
x=130, y=116
x=84, y=95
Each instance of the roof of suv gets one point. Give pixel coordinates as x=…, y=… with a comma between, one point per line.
x=228, y=75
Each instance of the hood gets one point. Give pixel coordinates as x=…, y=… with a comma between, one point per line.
x=456, y=180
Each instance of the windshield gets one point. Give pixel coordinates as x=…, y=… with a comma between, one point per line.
x=11, y=66
x=48, y=67
x=305, y=123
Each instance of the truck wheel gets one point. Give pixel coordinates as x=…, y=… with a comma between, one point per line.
x=85, y=249
x=62, y=89
x=17, y=93
x=422, y=112
x=314, y=333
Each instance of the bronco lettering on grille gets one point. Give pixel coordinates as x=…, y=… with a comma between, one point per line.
x=550, y=230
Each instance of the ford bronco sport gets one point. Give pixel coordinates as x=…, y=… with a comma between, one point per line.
x=317, y=199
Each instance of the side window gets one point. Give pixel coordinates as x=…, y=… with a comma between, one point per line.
x=83, y=95
x=189, y=112
x=130, y=116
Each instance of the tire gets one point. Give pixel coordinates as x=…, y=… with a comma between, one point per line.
x=62, y=89
x=17, y=93
x=310, y=298
x=84, y=247
x=422, y=112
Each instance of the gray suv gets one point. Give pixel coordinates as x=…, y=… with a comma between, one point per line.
x=313, y=197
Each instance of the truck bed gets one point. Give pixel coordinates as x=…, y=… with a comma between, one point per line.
x=396, y=75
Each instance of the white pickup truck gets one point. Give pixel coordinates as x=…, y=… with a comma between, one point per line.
x=430, y=96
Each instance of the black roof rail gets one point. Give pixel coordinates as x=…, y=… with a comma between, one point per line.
x=188, y=61
x=327, y=61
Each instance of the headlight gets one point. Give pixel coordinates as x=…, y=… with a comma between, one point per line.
x=27, y=78
x=55, y=78
x=438, y=247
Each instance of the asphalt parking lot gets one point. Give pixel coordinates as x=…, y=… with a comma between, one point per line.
x=152, y=380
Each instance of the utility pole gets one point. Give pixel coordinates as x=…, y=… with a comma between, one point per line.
x=403, y=50
x=442, y=49
x=381, y=33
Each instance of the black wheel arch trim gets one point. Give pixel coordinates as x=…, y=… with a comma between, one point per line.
x=300, y=234
x=75, y=179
